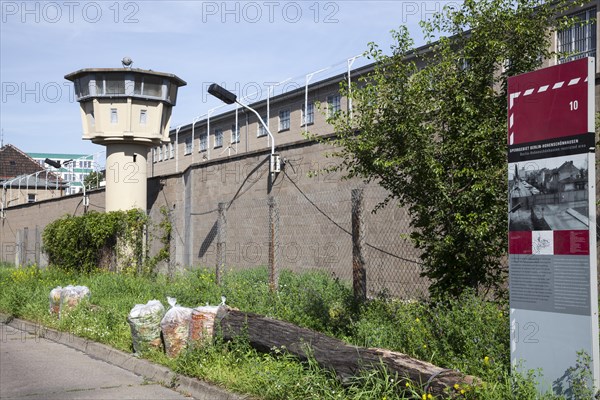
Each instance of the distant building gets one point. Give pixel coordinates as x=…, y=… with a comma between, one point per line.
x=73, y=167
x=24, y=180
x=568, y=170
x=13, y=162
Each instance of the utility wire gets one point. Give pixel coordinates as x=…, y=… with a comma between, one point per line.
x=344, y=229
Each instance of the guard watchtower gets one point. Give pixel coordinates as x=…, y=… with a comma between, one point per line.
x=128, y=111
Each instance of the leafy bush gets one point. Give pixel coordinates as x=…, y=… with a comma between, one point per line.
x=88, y=242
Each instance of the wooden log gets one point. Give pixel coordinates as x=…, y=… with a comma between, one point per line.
x=346, y=360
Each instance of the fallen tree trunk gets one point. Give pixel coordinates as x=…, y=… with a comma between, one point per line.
x=346, y=360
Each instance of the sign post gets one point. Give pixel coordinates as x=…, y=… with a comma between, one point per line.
x=552, y=222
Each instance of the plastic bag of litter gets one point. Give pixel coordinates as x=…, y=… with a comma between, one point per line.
x=55, y=300
x=175, y=327
x=202, y=322
x=144, y=321
x=70, y=297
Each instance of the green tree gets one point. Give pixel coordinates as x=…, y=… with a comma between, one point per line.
x=430, y=127
x=93, y=179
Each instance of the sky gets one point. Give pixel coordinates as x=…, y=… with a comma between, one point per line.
x=245, y=46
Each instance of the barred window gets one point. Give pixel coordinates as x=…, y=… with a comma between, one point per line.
x=261, y=131
x=203, y=146
x=284, y=120
x=218, y=138
x=579, y=40
x=308, y=115
x=235, y=134
x=188, y=145
x=333, y=104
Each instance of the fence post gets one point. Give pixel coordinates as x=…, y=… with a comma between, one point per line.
x=221, y=241
x=273, y=243
x=359, y=273
x=172, y=260
x=38, y=248
x=25, y=248
x=18, y=248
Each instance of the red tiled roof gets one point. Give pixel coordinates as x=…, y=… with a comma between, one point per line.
x=13, y=162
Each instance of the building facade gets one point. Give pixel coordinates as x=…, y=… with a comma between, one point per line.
x=73, y=168
x=302, y=112
x=24, y=180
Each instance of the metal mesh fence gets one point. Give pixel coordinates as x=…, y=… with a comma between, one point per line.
x=393, y=263
x=301, y=231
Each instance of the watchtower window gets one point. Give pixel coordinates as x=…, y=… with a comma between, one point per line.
x=148, y=86
x=115, y=84
x=114, y=117
x=82, y=86
x=143, y=117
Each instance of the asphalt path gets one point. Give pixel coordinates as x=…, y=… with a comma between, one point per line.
x=34, y=368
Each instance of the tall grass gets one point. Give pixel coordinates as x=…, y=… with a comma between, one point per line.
x=468, y=334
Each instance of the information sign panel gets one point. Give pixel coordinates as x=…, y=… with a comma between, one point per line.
x=552, y=221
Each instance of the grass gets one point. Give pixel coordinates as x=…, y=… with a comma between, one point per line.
x=468, y=334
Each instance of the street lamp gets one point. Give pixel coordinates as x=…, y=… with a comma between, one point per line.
x=229, y=98
x=55, y=164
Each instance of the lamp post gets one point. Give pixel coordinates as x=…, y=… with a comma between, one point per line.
x=229, y=98
x=274, y=167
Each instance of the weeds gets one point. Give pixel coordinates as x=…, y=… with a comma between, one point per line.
x=468, y=333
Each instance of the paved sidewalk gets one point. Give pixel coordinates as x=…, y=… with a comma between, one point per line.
x=60, y=366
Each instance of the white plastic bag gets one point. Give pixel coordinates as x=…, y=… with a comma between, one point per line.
x=202, y=324
x=55, y=300
x=144, y=321
x=175, y=327
x=70, y=297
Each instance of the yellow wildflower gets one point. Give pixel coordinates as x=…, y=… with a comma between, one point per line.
x=456, y=386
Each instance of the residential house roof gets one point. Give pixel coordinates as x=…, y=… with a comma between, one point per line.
x=14, y=162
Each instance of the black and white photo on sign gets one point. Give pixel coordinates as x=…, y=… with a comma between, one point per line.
x=549, y=194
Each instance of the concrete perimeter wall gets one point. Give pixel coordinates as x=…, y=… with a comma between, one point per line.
x=313, y=219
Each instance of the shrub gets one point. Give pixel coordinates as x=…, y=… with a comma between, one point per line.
x=88, y=242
